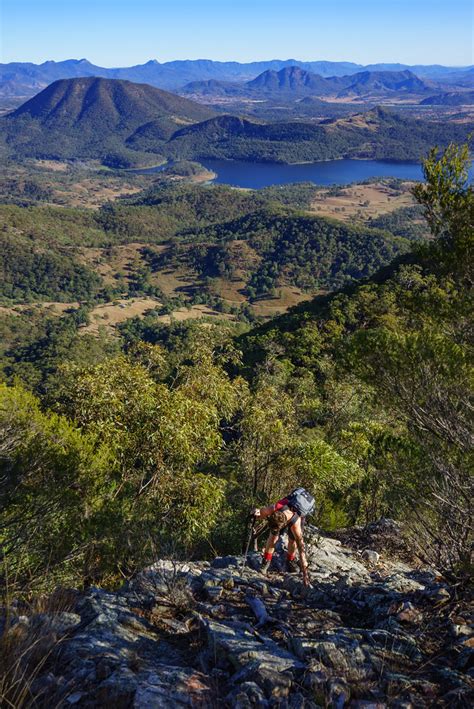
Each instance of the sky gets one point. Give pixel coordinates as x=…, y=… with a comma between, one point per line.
x=114, y=33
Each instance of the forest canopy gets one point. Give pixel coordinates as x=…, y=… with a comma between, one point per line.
x=160, y=441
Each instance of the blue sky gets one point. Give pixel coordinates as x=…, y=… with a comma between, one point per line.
x=125, y=32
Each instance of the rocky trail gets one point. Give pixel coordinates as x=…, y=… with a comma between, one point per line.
x=372, y=631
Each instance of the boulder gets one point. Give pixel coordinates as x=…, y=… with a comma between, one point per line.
x=371, y=556
x=194, y=634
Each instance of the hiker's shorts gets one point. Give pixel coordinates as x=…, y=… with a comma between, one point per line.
x=290, y=524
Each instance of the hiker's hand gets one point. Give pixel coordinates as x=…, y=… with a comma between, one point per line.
x=305, y=577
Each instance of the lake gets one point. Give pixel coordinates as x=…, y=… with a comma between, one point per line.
x=331, y=172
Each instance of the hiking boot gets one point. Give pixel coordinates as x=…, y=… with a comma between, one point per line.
x=265, y=567
x=292, y=566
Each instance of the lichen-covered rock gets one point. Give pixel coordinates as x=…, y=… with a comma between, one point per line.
x=371, y=632
x=172, y=686
x=118, y=690
x=239, y=646
x=59, y=623
x=371, y=556
x=247, y=694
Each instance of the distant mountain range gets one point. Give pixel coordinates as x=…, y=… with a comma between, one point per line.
x=25, y=79
x=293, y=82
x=126, y=124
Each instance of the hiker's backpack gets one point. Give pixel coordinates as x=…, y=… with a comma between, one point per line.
x=301, y=502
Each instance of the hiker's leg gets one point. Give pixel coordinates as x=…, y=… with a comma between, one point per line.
x=270, y=547
x=291, y=548
x=268, y=553
x=291, y=563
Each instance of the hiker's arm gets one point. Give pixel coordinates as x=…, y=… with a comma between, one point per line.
x=267, y=511
x=264, y=511
x=303, y=561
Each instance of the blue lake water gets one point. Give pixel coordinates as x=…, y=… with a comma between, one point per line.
x=331, y=172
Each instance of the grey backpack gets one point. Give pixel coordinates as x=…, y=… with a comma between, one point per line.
x=301, y=502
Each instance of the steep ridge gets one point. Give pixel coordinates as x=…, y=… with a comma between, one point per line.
x=374, y=629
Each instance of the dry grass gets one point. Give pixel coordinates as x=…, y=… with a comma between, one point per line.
x=53, y=307
x=362, y=201
x=88, y=187
x=23, y=654
x=14, y=310
x=120, y=259
x=92, y=192
x=194, y=313
x=287, y=297
x=173, y=281
x=359, y=120
x=53, y=165
x=374, y=99
x=167, y=582
x=27, y=644
x=111, y=314
x=231, y=291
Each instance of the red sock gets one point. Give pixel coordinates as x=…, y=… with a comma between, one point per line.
x=267, y=555
x=290, y=557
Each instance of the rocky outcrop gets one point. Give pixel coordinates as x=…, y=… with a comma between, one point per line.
x=370, y=632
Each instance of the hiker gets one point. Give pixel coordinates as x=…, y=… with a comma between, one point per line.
x=288, y=514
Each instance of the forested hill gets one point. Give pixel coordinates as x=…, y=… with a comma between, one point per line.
x=378, y=134
x=92, y=117
x=89, y=100
x=268, y=250
x=251, y=241
x=425, y=287
x=382, y=82
x=126, y=124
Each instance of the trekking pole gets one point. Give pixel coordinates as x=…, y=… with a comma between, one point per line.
x=249, y=541
x=255, y=532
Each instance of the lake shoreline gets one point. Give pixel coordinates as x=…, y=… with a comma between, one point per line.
x=257, y=175
x=341, y=171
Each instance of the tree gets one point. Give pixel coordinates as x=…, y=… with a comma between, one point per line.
x=446, y=195
x=420, y=365
x=53, y=484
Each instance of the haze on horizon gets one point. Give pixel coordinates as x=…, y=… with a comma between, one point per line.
x=112, y=33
